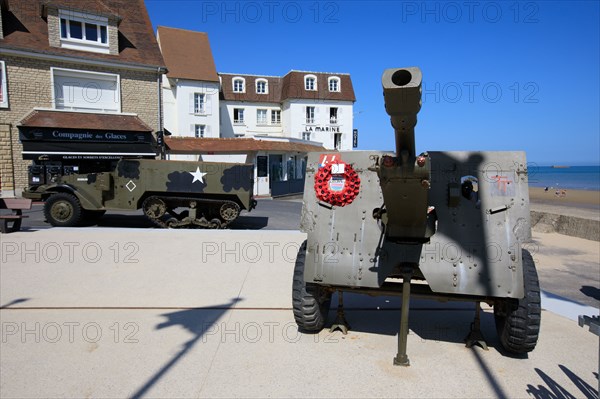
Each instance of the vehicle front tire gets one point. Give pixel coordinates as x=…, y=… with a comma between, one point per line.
x=310, y=302
x=518, y=321
x=63, y=210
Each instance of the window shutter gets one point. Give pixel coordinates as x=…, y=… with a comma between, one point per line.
x=339, y=111
x=207, y=131
x=193, y=130
x=208, y=104
x=191, y=103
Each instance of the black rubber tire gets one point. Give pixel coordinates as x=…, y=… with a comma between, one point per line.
x=63, y=210
x=310, y=302
x=518, y=321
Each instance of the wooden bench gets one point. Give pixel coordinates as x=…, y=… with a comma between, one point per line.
x=16, y=206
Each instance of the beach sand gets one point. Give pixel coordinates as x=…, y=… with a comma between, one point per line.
x=579, y=203
x=577, y=198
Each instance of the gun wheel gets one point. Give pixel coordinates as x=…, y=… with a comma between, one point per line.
x=518, y=321
x=63, y=210
x=310, y=302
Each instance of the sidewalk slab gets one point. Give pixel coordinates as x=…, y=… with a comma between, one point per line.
x=201, y=314
x=259, y=353
x=95, y=267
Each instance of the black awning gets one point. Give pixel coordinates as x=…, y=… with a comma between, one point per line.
x=85, y=151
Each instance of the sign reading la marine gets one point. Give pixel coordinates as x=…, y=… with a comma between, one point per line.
x=332, y=129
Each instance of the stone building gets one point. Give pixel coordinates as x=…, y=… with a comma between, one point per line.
x=69, y=70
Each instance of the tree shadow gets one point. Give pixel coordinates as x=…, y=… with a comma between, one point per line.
x=553, y=390
x=197, y=321
x=14, y=302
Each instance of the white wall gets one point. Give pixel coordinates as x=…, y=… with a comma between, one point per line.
x=226, y=158
x=295, y=117
x=169, y=106
x=179, y=107
x=250, y=127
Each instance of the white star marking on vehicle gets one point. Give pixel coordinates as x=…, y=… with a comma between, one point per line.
x=198, y=176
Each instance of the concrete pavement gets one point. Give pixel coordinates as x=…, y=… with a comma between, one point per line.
x=189, y=313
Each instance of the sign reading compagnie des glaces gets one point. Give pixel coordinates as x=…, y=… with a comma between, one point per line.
x=53, y=134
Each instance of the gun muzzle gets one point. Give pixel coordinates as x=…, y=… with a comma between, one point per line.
x=402, y=96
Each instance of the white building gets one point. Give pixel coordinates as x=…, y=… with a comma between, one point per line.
x=311, y=106
x=270, y=121
x=191, y=88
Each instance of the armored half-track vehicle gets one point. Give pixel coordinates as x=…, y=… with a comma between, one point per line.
x=172, y=194
x=444, y=225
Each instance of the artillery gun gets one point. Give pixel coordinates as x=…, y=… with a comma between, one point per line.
x=442, y=225
x=172, y=194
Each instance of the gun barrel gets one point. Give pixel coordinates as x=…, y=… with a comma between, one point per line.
x=402, y=96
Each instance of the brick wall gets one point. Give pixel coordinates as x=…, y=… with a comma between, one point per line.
x=6, y=163
x=1, y=31
x=29, y=86
x=53, y=27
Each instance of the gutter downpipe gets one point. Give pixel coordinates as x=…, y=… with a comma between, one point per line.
x=160, y=118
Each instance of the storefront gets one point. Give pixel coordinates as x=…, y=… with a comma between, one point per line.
x=56, y=148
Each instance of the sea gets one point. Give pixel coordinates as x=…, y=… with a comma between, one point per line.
x=572, y=177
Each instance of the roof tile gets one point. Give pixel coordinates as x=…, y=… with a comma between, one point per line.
x=26, y=29
x=192, y=145
x=84, y=120
x=187, y=54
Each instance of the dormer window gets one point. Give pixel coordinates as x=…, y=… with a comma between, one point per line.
x=79, y=31
x=334, y=84
x=239, y=85
x=310, y=82
x=262, y=86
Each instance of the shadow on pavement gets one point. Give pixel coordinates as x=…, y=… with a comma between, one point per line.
x=249, y=223
x=429, y=319
x=196, y=321
x=553, y=390
x=592, y=292
x=14, y=302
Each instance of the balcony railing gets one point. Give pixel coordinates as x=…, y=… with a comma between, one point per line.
x=310, y=120
x=238, y=121
x=333, y=120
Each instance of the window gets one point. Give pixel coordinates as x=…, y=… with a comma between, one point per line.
x=337, y=141
x=3, y=87
x=306, y=136
x=238, y=116
x=83, y=90
x=261, y=116
x=199, y=130
x=239, y=85
x=310, y=115
x=81, y=31
x=333, y=115
x=334, y=83
x=310, y=82
x=262, y=86
x=275, y=117
x=199, y=103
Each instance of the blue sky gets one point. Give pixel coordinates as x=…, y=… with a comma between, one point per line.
x=497, y=75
